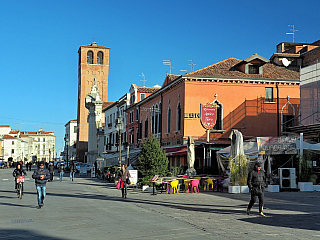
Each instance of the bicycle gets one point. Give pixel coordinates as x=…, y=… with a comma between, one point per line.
x=20, y=181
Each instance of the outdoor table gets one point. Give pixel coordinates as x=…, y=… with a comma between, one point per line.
x=153, y=182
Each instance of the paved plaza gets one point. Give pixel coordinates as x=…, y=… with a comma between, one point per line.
x=92, y=209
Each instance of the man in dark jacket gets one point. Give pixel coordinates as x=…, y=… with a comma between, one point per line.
x=256, y=184
x=41, y=175
x=51, y=171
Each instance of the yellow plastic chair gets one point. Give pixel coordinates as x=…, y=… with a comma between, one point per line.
x=174, y=186
x=187, y=184
x=209, y=182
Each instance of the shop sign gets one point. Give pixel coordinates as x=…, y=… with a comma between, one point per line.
x=208, y=115
x=276, y=145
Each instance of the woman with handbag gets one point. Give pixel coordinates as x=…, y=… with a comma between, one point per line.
x=124, y=175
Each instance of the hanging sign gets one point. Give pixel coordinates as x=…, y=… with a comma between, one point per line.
x=276, y=145
x=208, y=115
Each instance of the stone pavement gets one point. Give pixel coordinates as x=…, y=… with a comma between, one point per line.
x=92, y=209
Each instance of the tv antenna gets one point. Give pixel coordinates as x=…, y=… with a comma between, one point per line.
x=192, y=64
x=168, y=63
x=293, y=31
x=144, y=79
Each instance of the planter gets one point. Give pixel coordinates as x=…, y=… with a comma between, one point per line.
x=305, y=186
x=244, y=189
x=233, y=189
x=145, y=188
x=273, y=188
x=316, y=188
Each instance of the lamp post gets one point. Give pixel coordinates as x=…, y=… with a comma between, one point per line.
x=119, y=127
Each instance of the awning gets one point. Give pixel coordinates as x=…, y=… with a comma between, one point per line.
x=183, y=150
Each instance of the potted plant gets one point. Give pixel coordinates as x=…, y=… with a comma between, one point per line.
x=238, y=174
x=234, y=177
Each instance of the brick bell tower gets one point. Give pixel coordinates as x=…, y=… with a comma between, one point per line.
x=93, y=63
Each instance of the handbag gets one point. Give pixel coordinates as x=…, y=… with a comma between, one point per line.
x=128, y=181
x=118, y=184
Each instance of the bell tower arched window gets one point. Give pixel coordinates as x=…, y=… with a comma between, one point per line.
x=100, y=58
x=89, y=57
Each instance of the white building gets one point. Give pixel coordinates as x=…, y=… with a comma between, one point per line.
x=112, y=112
x=70, y=140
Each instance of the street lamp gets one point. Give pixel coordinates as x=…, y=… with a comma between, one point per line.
x=119, y=127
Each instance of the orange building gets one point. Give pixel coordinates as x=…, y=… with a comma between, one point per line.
x=251, y=96
x=93, y=64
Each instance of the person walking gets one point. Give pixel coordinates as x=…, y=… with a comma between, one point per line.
x=256, y=183
x=73, y=169
x=17, y=173
x=124, y=175
x=41, y=175
x=61, y=171
x=51, y=171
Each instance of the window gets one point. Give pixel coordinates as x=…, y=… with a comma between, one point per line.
x=146, y=128
x=219, y=121
x=142, y=96
x=269, y=94
x=100, y=58
x=12, y=151
x=132, y=99
x=75, y=129
x=12, y=142
x=178, y=126
x=253, y=69
x=156, y=124
x=90, y=57
x=137, y=114
x=169, y=120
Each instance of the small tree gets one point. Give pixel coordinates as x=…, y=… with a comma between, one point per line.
x=306, y=166
x=152, y=160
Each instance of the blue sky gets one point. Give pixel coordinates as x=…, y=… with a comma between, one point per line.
x=40, y=40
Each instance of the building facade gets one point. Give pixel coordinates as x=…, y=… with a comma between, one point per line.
x=251, y=95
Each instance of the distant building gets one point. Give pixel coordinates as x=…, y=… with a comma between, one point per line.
x=26, y=145
x=70, y=140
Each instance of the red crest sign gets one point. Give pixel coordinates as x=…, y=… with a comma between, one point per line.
x=208, y=115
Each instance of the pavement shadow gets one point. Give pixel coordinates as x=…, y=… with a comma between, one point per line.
x=23, y=234
x=294, y=221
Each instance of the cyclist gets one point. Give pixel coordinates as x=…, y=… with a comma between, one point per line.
x=17, y=173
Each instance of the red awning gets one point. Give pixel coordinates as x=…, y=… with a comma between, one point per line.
x=176, y=151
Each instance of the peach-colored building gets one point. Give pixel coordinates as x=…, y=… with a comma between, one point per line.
x=250, y=95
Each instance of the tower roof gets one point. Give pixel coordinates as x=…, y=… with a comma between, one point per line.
x=93, y=45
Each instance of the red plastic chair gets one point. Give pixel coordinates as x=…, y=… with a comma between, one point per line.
x=195, y=185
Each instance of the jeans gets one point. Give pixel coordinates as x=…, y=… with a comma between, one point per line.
x=72, y=175
x=41, y=190
x=124, y=190
x=61, y=175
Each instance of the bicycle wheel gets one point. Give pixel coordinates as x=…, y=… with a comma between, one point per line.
x=19, y=187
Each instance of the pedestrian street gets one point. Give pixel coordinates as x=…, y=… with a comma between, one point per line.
x=92, y=209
